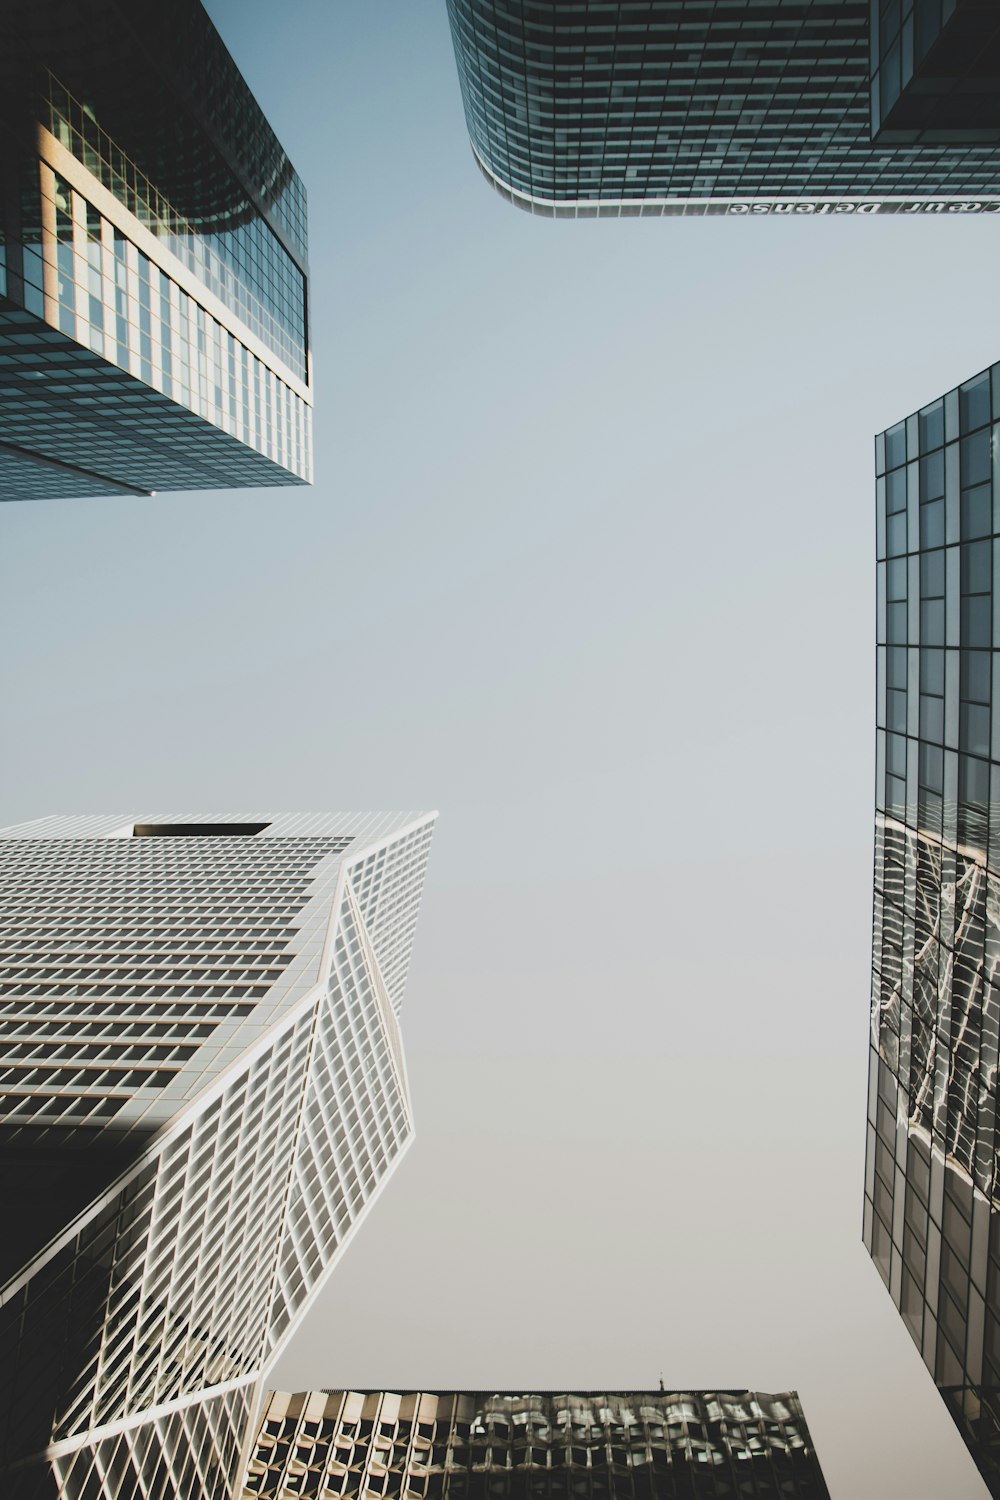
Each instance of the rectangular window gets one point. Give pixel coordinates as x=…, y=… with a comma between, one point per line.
x=932, y=426
x=977, y=506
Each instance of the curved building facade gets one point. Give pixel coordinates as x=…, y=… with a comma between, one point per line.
x=669, y=107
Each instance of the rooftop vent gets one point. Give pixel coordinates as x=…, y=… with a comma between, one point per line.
x=196, y=830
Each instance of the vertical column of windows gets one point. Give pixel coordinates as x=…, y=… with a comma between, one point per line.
x=62, y=198
x=31, y=181
x=233, y=388
x=218, y=373
x=109, y=292
x=81, y=270
x=94, y=254
x=132, y=306
x=269, y=418
x=120, y=270
x=279, y=423
x=145, y=318
x=184, y=347
x=246, y=406
x=168, y=303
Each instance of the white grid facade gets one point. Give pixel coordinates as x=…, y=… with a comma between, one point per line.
x=132, y=1345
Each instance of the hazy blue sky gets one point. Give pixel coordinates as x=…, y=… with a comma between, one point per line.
x=588, y=565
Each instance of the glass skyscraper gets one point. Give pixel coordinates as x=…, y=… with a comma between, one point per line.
x=153, y=273
x=931, y=1220
x=203, y=1091
x=474, y=1445
x=670, y=107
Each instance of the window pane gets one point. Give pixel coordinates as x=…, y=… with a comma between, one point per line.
x=895, y=445
x=976, y=452
x=974, y=401
x=931, y=524
x=932, y=426
x=976, y=512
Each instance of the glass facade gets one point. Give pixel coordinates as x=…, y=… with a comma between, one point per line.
x=242, y=263
x=203, y=1092
x=931, y=1218
x=935, y=71
x=615, y=1445
x=577, y=109
x=156, y=229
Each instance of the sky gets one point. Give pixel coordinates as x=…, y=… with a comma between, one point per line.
x=588, y=565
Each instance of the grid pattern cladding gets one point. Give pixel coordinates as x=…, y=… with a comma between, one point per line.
x=133, y=1344
x=76, y=424
x=143, y=346
x=120, y=958
x=474, y=1444
x=676, y=106
x=932, y=1191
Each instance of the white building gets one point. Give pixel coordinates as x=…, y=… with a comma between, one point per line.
x=203, y=1092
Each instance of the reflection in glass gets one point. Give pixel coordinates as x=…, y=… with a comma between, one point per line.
x=932, y=1212
x=613, y=1445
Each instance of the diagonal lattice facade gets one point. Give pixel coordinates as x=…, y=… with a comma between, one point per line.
x=932, y=1204
x=473, y=1445
x=204, y=1183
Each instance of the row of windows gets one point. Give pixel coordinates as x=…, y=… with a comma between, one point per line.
x=964, y=410
x=71, y=877
x=789, y=1477
x=307, y=1457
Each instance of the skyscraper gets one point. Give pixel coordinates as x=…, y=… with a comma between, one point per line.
x=931, y=1218
x=671, y=107
x=473, y=1445
x=153, y=275
x=203, y=1092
